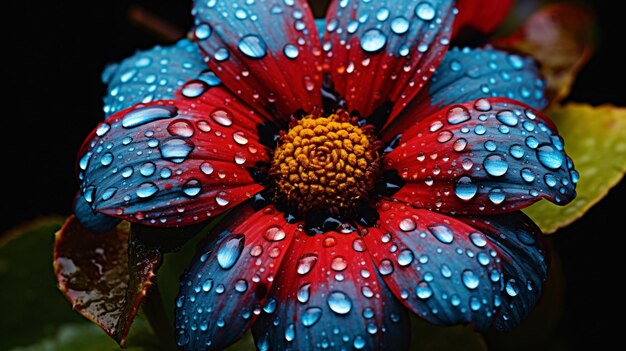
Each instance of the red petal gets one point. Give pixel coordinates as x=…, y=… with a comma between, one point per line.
x=492, y=155
x=442, y=269
x=222, y=293
x=482, y=15
x=328, y=293
x=269, y=55
x=380, y=66
x=92, y=270
x=172, y=163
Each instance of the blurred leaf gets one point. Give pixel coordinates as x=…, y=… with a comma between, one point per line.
x=425, y=336
x=36, y=316
x=104, y=275
x=559, y=37
x=595, y=139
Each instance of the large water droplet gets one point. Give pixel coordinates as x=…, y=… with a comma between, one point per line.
x=143, y=115
x=176, y=150
x=290, y=332
x=274, y=233
x=192, y=187
x=103, y=129
x=339, y=302
x=423, y=290
x=310, y=316
x=373, y=40
x=203, y=31
x=222, y=117
x=306, y=263
x=304, y=292
x=339, y=264
x=470, y=279
x=252, y=46
x=442, y=233
x=194, y=88
x=146, y=190
x=511, y=288
x=270, y=305
x=400, y=25
x=496, y=196
x=550, y=157
x=147, y=169
x=385, y=267
x=425, y=11
x=478, y=239
x=516, y=151
x=359, y=342
x=206, y=168
x=241, y=286
x=465, y=189
x=495, y=165
x=230, y=250
x=291, y=51
x=507, y=117
x=405, y=257
x=407, y=224
x=458, y=114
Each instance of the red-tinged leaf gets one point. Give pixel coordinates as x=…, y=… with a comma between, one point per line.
x=102, y=277
x=559, y=37
x=481, y=15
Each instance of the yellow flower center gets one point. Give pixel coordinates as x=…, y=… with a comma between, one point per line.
x=325, y=162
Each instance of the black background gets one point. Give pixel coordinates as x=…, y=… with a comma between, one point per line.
x=57, y=50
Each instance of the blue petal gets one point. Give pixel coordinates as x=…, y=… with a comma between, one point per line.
x=469, y=74
x=440, y=268
x=93, y=221
x=523, y=259
x=328, y=295
x=229, y=279
x=151, y=75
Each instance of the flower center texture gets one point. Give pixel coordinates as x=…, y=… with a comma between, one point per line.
x=325, y=162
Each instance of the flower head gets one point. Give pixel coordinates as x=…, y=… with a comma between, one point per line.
x=370, y=174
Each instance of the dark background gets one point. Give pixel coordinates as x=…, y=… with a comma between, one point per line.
x=57, y=50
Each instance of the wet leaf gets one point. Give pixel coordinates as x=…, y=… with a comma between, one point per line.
x=559, y=37
x=595, y=138
x=425, y=336
x=35, y=314
x=102, y=277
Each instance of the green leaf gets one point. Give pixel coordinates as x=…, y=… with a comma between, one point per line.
x=36, y=316
x=595, y=139
x=425, y=336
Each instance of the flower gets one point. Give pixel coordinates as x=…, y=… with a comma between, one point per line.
x=369, y=175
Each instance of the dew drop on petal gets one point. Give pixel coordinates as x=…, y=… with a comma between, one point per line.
x=144, y=115
x=464, y=189
x=549, y=157
x=230, y=250
x=442, y=233
x=470, y=279
x=306, y=263
x=252, y=46
x=495, y=165
x=339, y=302
x=373, y=40
x=425, y=11
x=458, y=114
x=310, y=316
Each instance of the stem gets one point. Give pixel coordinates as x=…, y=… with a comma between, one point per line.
x=155, y=313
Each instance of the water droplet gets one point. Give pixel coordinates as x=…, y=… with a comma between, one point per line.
x=465, y=189
x=339, y=264
x=106, y=159
x=550, y=157
x=382, y=14
x=483, y=258
x=516, y=62
x=425, y=11
x=458, y=114
x=291, y=51
x=460, y=145
x=482, y=105
x=270, y=305
x=108, y=193
x=182, y=338
x=400, y=25
x=144, y=115
x=222, y=198
x=304, y=292
x=470, y=279
x=405, y=257
x=290, y=332
x=230, y=250
x=127, y=172
x=194, y=88
x=490, y=145
x=306, y=263
x=474, y=303
x=203, y=31
x=478, y=239
x=222, y=117
x=385, y=267
x=527, y=175
x=339, y=302
x=206, y=168
x=192, y=187
x=446, y=272
x=495, y=165
x=516, y=151
x=423, y=290
x=274, y=233
x=455, y=300
x=507, y=117
x=310, y=316
x=147, y=169
x=407, y=225
x=373, y=40
x=241, y=286
x=358, y=245
x=358, y=342
x=176, y=150
x=103, y=129
x=496, y=196
x=511, y=288
x=221, y=54
x=146, y=190
x=252, y=46
x=442, y=233
x=444, y=136
x=207, y=285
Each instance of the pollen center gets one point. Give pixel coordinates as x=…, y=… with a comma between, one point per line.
x=325, y=162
